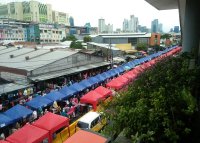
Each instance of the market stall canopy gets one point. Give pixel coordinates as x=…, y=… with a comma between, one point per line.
x=51, y=122
x=68, y=92
x=28, y=134
x=103, y=91
x=92, y=98
x=39, y=102
x=83, y=136
x=94, y=80
x=113, y=84
x=101, y=77
x=85, y=83
x=55, y=96
x=18, y=112
x=77, y=87
x=3, y=141
x=5, y=120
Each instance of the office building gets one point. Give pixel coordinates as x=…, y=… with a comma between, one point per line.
x=60, y=18
x=101, y=25
x=154, y=26
x=160, y=28
x=125, y=25
x=33, y=11
x=176, y=29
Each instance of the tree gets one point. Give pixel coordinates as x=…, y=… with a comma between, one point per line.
x=166, y=36
x=159, y=106
x=64, y=39
x=141, y=47
x=71, y=38
x=76, y=45
x=87, y=39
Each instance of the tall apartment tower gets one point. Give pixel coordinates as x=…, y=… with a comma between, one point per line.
x=101, y=25
x=125, y=25
x=133, y=24
x=154, y=26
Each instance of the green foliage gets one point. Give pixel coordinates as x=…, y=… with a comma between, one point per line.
x=141, y=47
x=71, y=38
x=159, y=106
x=166, y=36
x=76, y=45
x=87, y=39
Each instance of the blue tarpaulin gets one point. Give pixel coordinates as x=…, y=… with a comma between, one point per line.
x=85, y=83
x=76, y=86
x=112, y=72
x=106, y=75
x=55, y=96
x=18, y=112
x=39, y=102
x=5, y=120
x=100, y=77
x=94, y=80
x=68, y=92
x=119, y=69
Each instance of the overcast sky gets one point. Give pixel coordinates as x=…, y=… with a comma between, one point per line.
x=113, y=11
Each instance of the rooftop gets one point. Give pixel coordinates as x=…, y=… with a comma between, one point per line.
x=30, y=58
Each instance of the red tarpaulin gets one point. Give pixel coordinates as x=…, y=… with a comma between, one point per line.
x=51, y=122
x=83, y=136
x=103, y=91
x=92, y=98
x=130, y=75
x=28, y=134
x=114, y=84
x=122, y=79
x=2, y=141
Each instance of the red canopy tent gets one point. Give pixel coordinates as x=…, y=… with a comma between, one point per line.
x=92, y=98
x=103, y=91
x=83, y=136
x=3, y=141
x=145, y=65
x=28, y=134
x=130, y=75
x=114, y=84
x=51, y=122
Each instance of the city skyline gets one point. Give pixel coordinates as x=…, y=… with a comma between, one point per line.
x=113, y=12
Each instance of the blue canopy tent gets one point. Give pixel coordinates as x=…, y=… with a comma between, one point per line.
x=112, y=72
x=94, y=80
x=55, y=96
x=39, y=102
x=100, y=78
x=119, y=69
x=5, y=121
x=106, y=75
x=68, y=92
x=77, y=87
x=85, y=83
x=18, y=112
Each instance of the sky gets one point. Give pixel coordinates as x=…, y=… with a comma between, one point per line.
x=113, y=11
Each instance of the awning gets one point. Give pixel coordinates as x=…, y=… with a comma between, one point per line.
x=68, y=92
x=28, y=134
x=85, y=83
x=77, y=87
x=39, y=102
x=5, y=120
x=92, y=98
x=55, y=96
x=67, y=71
x=103, y=91
x=51, y=122
x=18, y=112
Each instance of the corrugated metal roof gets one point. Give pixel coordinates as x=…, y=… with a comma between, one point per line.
x=67, y=71
x=37, y=58
x=5, y=88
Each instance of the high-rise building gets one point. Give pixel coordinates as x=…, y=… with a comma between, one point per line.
x=176, y=29
x=101, y=25
x=160, y=28
x=109, y=28
x=154, y=26
x=71, y=21
x=32, y=11
x=125, y=25
x=60, y=17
